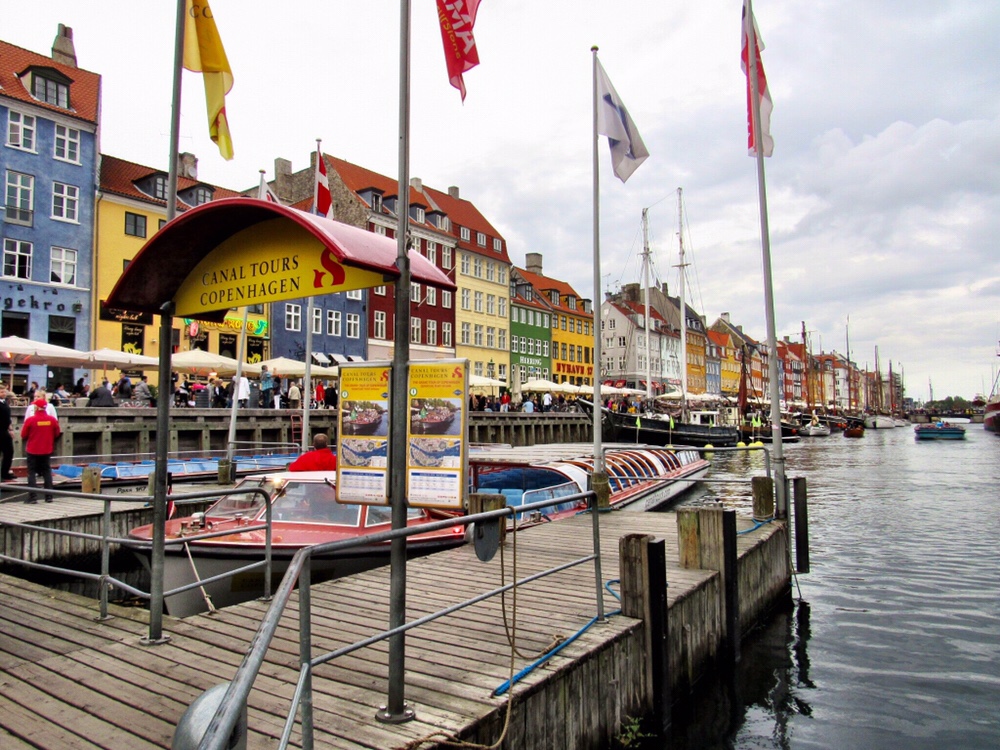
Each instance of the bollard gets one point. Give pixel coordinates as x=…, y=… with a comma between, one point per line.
x=227, y=473
x=90, y=480
x=763, y=498
x=487, y=536
x=194, y=723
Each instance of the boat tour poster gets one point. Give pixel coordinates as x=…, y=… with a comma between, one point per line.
x=363, y=434
x=436, y=433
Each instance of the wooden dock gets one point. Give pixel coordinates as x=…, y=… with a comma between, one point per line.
x=67, y=681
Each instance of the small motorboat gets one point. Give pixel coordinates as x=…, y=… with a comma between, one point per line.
x=939, y=431
x=304, y=512
x=855, y=429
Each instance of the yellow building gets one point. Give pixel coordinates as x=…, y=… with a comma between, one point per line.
x=131, y=208
x=572, y=325
x=729, y=365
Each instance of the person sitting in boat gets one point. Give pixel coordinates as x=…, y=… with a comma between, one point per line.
x=320, y=458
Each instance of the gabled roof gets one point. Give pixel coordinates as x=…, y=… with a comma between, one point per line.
x=630, y=307
x=720, y=339
x=358, y=179
x=545, y=284
x=120, y=177
x=537, y=300
x=85, y=89
x=463, y=213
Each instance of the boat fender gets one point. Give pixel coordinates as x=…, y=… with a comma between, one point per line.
x=194, y=723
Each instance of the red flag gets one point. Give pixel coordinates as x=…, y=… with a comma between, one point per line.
x=457, y=17
x=323, y=201
x=765, y=96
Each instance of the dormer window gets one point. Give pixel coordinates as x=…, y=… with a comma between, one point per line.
x=497, y=245
x=417, y=214
x=376, y=203
x=571, y=302
x=465, y=234
x=200, y=195
x=480, y=239
x=443, y=223
x=554, y=297
x=50, y=86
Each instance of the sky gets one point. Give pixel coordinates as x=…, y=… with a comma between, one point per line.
x=883, y=193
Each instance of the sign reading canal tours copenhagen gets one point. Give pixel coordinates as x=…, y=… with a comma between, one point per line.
x=436, y=435
x=363, y=434
x=245, y=270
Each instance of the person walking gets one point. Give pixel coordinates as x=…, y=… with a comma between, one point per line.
x=277, y=392
x=6, y=436
x=266, y=387
x=243, y=392
x=39, y=433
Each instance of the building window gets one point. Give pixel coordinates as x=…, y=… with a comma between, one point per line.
x=432, y=252
x=466, y=333
x=20, y=198
x=317, y=324
x=446, y=258
x=67, y=146
x=463, y=259
x=51, y=92
x=477, y=268
x=478, y=335
x=497, y=245
x=430, y=296
x=380, y=324
x=531, y=347
x=376, y=203
x=17, y=259
x=502, y=309
x=135, y=225
x=333, y=318
x=162, y=223
x=563, y=349
x=415, y=324
x=200, y=195
x=491, y=337
x=446, y=300
x=491, y=304
x=378, y=229
x=562, y=322
x=160, y=187
x=65, y=201
x=478, y=302
x=545, y=348
x=477, y=368
x=353, y=326
x=432, y=332
x=502, y=274
x=465, y=234
x=446, y=334
x=63, y=265
x=466, y=294
x=20, y=131
x=355, y=294
x=480, y=239
x=380, y=290
x=419, y=215
x=293, y=317
x=491, y=271
x=414, y=292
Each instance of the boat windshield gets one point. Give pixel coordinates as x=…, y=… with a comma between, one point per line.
x=380, y=514
x=313, y=502
x=247, y=505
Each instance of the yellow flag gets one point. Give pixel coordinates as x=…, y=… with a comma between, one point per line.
x=203, y=53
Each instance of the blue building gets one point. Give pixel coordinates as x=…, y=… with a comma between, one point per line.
x=49, y=115
x=339, y=328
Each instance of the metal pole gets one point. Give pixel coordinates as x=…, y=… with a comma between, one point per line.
x=396, y=710
x=781, y=495
x=231, y=443
x=599, y=480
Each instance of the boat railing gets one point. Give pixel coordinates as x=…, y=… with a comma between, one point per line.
x=244, y=449
x=106, y=540
x=230, y=706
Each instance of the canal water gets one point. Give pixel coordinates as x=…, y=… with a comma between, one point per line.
x=894, y=637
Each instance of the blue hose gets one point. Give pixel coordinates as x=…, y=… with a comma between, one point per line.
x=757, y=525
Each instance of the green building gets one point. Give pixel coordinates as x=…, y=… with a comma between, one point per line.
x=530, y=332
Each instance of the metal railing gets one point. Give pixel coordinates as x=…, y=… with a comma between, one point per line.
x=232, y=704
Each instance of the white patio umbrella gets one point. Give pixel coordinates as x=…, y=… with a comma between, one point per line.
x=17, y=351
x=117, y=360
x=198, y=362
x=286, y=367
x=539, y=385
x=567, y=388
x=479, y=381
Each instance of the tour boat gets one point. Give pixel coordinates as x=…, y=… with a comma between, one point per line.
x=365, y=422
x=304, y=512
x=436, y=421
x=939, y=431
x=660, y=429
x=640, y=477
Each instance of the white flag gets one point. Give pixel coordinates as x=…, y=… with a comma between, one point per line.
x=613, y=120
x=265, y=193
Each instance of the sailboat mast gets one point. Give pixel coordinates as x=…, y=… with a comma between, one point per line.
x=645, y=285
x=847, y=333
x=681, y=265
x=805, y=355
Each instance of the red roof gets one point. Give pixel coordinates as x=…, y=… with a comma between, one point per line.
x=120, y=177
x=537, y=301
x=545, y=284
x=463, y=213
x=84, y=91
x=720, y=339
x=630, y=307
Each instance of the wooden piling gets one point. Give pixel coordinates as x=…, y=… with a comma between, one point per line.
x=763, y=498
x=801, y=525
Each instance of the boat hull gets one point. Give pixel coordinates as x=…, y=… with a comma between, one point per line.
x=879, y=422
x=653, y=430
x=991, y=418
x=938, y=432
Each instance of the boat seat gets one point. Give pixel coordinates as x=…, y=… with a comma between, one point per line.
x=69, y=471
x=514, y=497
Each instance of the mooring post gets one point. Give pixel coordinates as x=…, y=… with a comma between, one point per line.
x=644, y=597
x=801, y=525
x=763, y=498
x=732, y=587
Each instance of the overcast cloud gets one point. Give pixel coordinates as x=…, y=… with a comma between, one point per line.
x=883, y=190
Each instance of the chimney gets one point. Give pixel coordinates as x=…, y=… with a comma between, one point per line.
x=417, y=184
x=664, y=289
x=631, y=292
x=532, y=261
x=282, y=167
x=725, y=317
x=453, y=192
x=63, y=50
x=187, y=165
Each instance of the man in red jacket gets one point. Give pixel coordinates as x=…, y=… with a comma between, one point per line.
x=320, y=458
x=39, y=433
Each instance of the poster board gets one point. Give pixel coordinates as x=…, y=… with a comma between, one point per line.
x=363, y=434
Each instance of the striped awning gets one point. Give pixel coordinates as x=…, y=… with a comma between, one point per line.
x=321, y=358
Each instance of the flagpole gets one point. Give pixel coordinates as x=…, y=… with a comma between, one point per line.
x=307, y=378
x=396, y=711
x=765, y=243
x=599, y=480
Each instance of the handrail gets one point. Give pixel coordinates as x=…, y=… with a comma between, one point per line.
x=230, y=707
x=106, y=540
